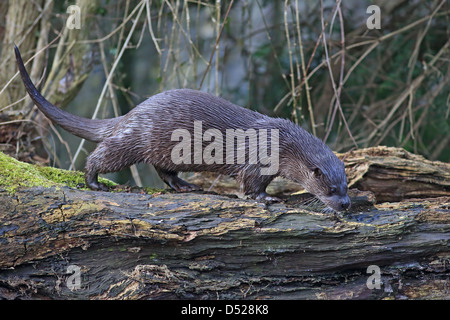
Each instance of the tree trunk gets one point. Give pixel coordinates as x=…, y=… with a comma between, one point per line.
x=62, y=243
x=22, y=24
x=28, y=25
x=25, y=19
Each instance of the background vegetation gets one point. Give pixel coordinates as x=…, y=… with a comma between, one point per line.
x=315, y=62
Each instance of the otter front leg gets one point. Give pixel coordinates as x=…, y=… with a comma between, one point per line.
x=176, y=183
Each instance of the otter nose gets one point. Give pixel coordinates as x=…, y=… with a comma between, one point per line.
x=345, y=204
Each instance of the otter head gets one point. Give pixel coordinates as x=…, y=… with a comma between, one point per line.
x=324, y=176
x=329, y=185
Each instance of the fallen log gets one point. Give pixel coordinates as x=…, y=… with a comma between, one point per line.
x=391, y=174
x=394, y=174
x=59, y=242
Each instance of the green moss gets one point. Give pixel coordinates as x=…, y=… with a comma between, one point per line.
x=69, y=178
x=150, y=190
x=14, y=174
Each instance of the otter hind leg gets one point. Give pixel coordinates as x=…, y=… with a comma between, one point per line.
x=92, y=182
x=171, y=178
x=107, y=157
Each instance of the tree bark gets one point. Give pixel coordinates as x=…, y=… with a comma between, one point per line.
x=22, y=24
x=203, y=245
x=25, y=19
x=29, y=26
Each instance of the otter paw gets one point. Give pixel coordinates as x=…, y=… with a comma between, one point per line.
x=267, y=198
x=99, y=186
x=272, y=199
x=183, y=186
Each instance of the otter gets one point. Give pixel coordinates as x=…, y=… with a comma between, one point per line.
x=147, y=134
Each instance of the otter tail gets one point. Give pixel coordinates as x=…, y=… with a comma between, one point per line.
x=90, y=129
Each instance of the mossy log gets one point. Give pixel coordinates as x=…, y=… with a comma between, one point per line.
x=60, y=242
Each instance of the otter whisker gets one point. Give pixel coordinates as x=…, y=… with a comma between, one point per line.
x=327, y=210
x=313, y=204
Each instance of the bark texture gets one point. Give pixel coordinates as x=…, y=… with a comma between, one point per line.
x=201, y=245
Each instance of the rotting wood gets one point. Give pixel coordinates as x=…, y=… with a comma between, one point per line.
x=203, y=245
x=393, y=174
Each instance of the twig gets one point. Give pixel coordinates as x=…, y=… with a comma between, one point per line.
x=305, y=75
x=208, y=66
x=150, y=28
x=37, y=53
x=341, y=74
x=217, y=48
x=291, y=65
x=111, y=73
x=332, y=78
x=373, y=44
x=413, y=86
x=280, y=103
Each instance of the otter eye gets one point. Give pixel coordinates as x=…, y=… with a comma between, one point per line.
x=317, y=172
x=333, y=190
